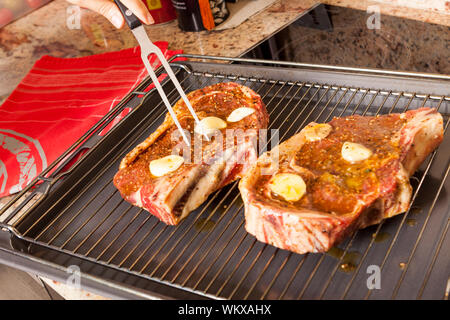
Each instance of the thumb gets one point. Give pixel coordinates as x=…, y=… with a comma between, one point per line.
x=104, y=7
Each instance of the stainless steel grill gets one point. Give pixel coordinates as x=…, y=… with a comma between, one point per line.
x=123, y=251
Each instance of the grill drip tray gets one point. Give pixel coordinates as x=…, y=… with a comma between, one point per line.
x=123, y=251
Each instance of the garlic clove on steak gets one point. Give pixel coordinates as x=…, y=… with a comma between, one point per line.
x=239, y=114
x=209, y=125
x=317, y=131
x=163, y=166
x=355, y=152
x=289, y=186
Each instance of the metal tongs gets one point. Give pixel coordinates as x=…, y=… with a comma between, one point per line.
x=147, y=48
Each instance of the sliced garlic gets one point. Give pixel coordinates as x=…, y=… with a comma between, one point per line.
x=355, y=152
x=289, y=186
x=317, y=131
x=239, y=114
x=163, y=166
x=209, y=125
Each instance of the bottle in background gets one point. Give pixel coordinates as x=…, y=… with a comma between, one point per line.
x=199, y=15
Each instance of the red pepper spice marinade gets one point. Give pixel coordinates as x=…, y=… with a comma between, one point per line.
x=335, y=185
x=214, y=101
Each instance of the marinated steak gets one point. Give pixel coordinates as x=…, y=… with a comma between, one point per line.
x=331, y=179
x=161, y=176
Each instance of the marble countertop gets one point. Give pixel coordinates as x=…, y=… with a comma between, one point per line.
x=26, y=40
x=29, y=38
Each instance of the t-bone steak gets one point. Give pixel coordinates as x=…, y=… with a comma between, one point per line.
x=156, y=176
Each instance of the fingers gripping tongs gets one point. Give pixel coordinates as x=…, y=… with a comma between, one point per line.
x=147, y=48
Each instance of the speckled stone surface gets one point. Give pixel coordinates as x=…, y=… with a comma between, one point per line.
x=44, y=32
x=432, y=11
x=398, y=44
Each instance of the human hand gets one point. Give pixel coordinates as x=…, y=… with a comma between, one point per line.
x=109, y=10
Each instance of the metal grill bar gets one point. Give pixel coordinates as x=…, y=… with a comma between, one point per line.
x=420, y=234
x=405, y=215
x=264, y=269
x=433, y=261
x=145, y=247
x=129, y=239
x=185, y=233
x=198, y=248
x=234, y=186
x=254, y=284
x=49, y=226
x=115, y=192
x=348, y=246
x=323, y=255
x=206, y=237
x=294, y=274
x=308, y=281
x=381, y=106
x=348, y=103
x=90, y=184
x=382, y=222
x=81, y=226
x=239, y=225
x=180, y=238
x=263, y=296
x=395, y=103
x=141, y=240
x=259, y=277
x=137, y=245
x=173, y=231
x=338, y=102
x=375, y=95
x=117, y=221
x=93, y=230
x=219, y=271
x=118, y=236
x=88, y=252
x=345, y=108
x=301, y=99
x=254, y=241
x=299, y=266
x=218, y=293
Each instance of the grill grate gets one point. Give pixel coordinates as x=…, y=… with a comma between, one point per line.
x=210, y=252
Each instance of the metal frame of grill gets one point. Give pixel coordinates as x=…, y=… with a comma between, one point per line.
x=77, y=217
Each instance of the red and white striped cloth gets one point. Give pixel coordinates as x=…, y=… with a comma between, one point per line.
x=56, y=103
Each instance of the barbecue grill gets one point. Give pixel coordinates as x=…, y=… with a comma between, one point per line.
x=76, y=217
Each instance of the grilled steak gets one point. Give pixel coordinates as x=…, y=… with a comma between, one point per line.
x=155, y=176
x=332, y=179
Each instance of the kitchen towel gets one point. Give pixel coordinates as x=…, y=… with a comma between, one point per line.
x=56, y=103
